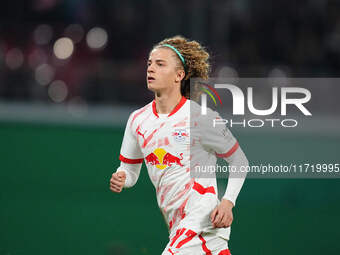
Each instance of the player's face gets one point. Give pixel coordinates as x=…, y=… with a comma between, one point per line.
x=163, y=72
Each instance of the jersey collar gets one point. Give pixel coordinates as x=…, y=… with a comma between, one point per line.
x=178, y=106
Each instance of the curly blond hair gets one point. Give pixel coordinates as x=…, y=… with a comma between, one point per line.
x=196, y=60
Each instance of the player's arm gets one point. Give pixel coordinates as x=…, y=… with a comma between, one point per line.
x=131, y=159
x=219, y=139
x=222, y=216
x=125, y=176
x=238, y=162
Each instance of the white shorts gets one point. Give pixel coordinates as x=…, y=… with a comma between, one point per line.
x=187, y=242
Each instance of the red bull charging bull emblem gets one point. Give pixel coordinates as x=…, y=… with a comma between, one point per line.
x=162, y=159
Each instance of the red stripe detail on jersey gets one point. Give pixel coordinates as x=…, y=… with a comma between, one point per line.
x=165, y=191
x=137, y=114
x=169, y=250
x=147, y=140
x=181, y=193
x=179, y=232
x=224, y=252
x=204, y=246
x=151, y=144
x=190, y=235
x=179, y=213
x=229, y=153
x=154, y=108
x=180, y=104
x=139, y=127
x=181, y=209
x=163, y=141
x=171, y=224
x=200, y=189
x=130, y=161
x=181, y=123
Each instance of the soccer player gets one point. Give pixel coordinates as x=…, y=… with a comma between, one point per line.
x=169, y=139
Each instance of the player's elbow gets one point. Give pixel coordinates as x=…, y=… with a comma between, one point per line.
x=238, y=158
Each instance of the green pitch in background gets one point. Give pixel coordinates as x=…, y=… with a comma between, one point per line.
x=55, y=197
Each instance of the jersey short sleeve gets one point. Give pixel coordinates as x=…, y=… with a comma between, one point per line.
x=130, y=151
x=216, y=136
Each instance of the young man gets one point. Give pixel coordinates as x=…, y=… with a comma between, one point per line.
x=169, y=139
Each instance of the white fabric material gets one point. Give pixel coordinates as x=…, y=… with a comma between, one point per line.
x=170, y=145
x=132, y=172
x=216, y=138
x=212, y=243
x=130, y=147
x=236, y=179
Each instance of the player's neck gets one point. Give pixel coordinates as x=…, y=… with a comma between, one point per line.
x=165, y=103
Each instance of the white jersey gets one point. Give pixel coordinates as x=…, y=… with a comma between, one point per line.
x=166, y=146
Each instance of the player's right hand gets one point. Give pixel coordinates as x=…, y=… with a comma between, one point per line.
x=117, y=181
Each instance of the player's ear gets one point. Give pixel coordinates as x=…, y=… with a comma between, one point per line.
x=180, y=74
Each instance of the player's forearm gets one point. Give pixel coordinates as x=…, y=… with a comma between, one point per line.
x=132, y=172
x=238, y=163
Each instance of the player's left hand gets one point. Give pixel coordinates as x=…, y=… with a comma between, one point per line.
x=222, y=215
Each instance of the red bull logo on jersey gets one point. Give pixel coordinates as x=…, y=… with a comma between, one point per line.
x=180, y=135
x=162, y=159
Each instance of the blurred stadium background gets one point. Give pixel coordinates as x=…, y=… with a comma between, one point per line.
x=71, y=71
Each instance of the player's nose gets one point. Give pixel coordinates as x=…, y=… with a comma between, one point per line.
x=150, y=69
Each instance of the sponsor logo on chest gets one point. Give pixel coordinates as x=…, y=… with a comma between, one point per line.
x=180, y=135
